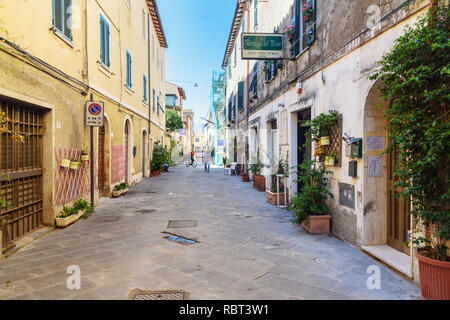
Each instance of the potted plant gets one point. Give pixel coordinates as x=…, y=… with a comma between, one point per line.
x=307, y=12
x=84, y=156
x=289, y=31
x=65, y=163
x=276, y=192
x=69, y=215
x=120, y=189
x=309, y=206
x=244, y=173
x=330, y=159
x=74, y=164
x=419, y=125
x=321, y=126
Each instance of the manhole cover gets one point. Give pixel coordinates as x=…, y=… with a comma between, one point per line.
x=182, y=224
x=137, y=294
x=151, y=191
x=107, y=219
x=145, y=211
x=179, y=239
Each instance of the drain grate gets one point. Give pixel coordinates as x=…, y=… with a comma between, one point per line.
x=138, y=294
x=179, y=239
x=107, y=219
x=182, y=224
x=145, y=211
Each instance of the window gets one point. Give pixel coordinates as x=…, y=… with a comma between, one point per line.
x=305, y=25
x=270, y=69
x=255, y=18
x=104, y=42
x=145, y=88
x=241, y=96
x=171, y=100
x=129, y=83
x=243, y=23
x=157, y=110
x=62, y=18
x=153, y=100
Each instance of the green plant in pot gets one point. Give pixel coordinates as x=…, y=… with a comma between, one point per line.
x=320, y=126
x=330, y=159
x=309, y=206
x=415, y=77
x=259, y=181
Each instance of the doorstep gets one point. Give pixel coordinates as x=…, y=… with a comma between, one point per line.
x=394, y=258
x=26, y=240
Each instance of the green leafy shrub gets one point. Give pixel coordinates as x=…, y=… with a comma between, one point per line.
x=415, y=78
x=311, y=200
x=78, y=205
x=321, y=124
x=161, y=156
x=121, y=186
x=283, y=168
x=173, y=121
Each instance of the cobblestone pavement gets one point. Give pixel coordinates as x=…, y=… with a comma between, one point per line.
x=247, y=249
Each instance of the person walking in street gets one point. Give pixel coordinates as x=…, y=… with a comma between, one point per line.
x=207, y=160
x=192, y=157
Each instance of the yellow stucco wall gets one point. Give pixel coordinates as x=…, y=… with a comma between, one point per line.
x=64, y=95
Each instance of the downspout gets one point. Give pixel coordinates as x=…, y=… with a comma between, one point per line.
x=86, y=58
x=149, y=77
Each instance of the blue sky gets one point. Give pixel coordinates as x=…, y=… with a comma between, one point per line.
x=197, y=33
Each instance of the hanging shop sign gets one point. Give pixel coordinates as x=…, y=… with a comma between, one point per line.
x=262, y=46
x=95, y=111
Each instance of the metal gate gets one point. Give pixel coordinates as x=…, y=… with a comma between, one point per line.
x=21, y=168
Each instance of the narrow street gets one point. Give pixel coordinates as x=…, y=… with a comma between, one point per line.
x=246, y=249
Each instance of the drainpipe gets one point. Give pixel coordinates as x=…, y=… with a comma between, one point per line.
x=149, y=77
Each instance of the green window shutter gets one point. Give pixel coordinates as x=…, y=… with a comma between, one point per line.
x=102, y=41
x=310, y=33
x=58, y=15
x=153, y=99
x=145, y=88
x=67, y=19
x=129, y=84
x=107, y=48
x=241, y=95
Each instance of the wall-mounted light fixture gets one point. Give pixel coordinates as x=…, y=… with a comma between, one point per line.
x=299, y=87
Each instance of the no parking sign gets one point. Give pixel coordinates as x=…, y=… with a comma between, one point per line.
x=95, y=111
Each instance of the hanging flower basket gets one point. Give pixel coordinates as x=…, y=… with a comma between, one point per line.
x=84, y=157
x=289, y=31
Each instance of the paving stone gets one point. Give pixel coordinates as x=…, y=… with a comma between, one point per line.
x=247, y=249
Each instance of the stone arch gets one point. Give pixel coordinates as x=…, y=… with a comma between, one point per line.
x=375, y=191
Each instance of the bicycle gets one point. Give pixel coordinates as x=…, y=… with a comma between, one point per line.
x=193, y=164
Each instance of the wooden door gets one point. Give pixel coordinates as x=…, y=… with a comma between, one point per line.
x=126, y=150
x=143, y=154
x=21, y=169
x=101, y=161
x=399, y=210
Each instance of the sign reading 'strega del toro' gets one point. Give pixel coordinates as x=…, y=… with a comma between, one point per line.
x=262, y=46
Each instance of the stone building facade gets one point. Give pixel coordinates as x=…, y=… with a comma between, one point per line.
x=330, y=59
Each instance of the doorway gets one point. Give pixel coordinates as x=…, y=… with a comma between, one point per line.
x=127, y=149
x=21, y=169
x=101, y=161
x=399, y=210
x=144, y=152
x=303, y=147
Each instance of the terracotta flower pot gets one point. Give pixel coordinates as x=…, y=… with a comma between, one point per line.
x=317, y=224
x=244, y=178
x=434, y=278
x=291, y=36
x=272, y=198
x=259, y=183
